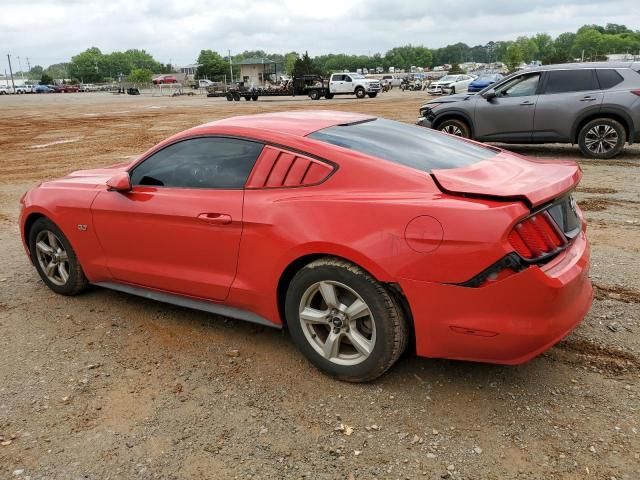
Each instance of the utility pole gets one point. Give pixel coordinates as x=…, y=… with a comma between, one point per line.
x=230, y=66
x=21, y=72
x=13, y=85
x=28, y=65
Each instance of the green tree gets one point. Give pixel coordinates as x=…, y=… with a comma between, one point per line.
x=562, y=46
x=140, y=75
x=212, y=66
x=513, y=57
x=546, y=48
x=528, y=47
x=455, y=69
x=86, y=66
x=305, y=66
x=35, y=72
x=289, y=62
x=46, y=79
x=588, y=42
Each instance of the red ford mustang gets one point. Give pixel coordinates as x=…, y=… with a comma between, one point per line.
x=357, y=233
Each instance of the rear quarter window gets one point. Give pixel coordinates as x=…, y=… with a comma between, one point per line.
x=409, y=145
x=608, y=78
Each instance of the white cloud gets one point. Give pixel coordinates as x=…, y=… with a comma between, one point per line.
x=49, y=31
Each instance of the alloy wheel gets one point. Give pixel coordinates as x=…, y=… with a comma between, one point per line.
x=337, y=323
x=452, y=130
x=52, y=257
x=601, y=138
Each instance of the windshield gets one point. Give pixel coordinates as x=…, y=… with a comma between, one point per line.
x=356, y=75
x=448, y=78
x=409, y=145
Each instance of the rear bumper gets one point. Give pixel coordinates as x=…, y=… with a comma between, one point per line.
x=507, y=322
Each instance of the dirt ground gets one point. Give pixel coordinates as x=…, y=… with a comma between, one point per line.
x=110, y=386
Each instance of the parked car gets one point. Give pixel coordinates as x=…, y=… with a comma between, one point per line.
x=483, y=81
x=44, y=89
x=356, y=232
x=453, y=84
x=4, y=90
x=87, y=87
x=345, y=84
x=596, y=105
x=66, y=88
x=162, y=79
x=391, y=81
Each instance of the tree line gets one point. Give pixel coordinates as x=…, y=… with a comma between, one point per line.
x=589, y=43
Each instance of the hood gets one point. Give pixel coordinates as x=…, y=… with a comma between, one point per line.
x=93, y=178
x=458, y=97
x=509, y=176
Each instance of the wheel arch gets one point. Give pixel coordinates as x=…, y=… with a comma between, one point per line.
x=300, y=262
x=611, y=112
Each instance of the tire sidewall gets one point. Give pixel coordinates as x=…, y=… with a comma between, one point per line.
x=383, y=349
x=622, y=138
x=74, y=266
x=360, y=93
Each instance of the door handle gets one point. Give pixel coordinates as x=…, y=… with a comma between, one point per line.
x=527, y=103
x=587, y=99
x=215, y=218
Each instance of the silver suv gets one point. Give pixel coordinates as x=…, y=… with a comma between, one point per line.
x=596, y=105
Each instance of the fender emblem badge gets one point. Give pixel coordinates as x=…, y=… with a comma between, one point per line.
x=82, y=227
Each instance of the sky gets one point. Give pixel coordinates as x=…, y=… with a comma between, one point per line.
x=175, y=31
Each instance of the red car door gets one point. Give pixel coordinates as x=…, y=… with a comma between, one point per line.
x=179, y=228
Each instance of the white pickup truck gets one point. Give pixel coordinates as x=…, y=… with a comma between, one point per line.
x=345, y=84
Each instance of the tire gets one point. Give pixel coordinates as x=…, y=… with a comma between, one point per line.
x=66, y=277
x=248, y=99
x=453, y=91
x=254, y=98
x=380, y=328
x=373, y=95
x=230, y=97
x=360, y=93
x=314, y=95
x=236, y=98
x=455, y=127
x=602, y=138
x=329, y=96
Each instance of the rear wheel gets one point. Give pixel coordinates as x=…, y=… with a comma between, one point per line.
x=254, y=98
x=344, y=321
x=314, y=95
x=230, y=97
x=602, y=138
x=455, y=127
x=55, y=259
x=329, y=96
x=360, y=93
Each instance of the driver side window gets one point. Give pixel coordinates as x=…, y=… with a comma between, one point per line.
x=205, y=162
x=522, y=86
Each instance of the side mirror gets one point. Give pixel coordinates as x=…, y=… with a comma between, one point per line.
x=120, y=182
x=489, y=94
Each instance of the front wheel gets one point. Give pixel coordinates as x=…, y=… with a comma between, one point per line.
x=55, y=259
x=360, y=93
x=344, y=321
x=455, y=127
x=602, y=138
x=329, y=96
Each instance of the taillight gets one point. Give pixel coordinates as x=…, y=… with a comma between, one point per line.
x=536, y=236
x=636, y=92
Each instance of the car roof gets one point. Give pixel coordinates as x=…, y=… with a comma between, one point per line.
x=577, y=66
x=300, y=123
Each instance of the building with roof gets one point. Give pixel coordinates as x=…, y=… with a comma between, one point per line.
x=259, y=71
